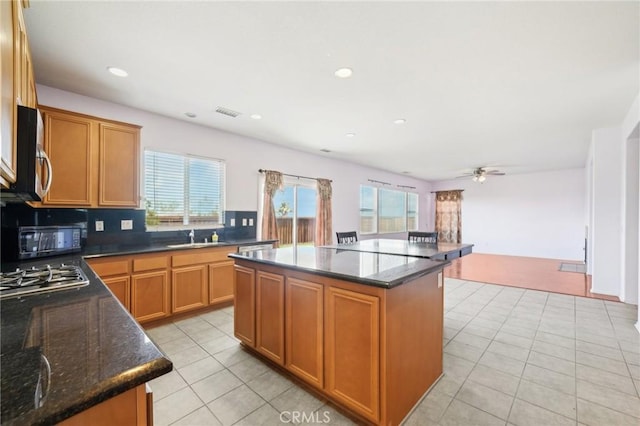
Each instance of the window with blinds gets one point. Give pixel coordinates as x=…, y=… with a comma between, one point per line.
x=387, y=210
x=183, y=190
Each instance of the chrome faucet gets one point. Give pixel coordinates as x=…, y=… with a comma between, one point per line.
x=192, y=235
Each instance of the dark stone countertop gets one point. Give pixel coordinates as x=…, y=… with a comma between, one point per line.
x=95, y=348
x=402, y=247
x=118, y=249
x=374, y=269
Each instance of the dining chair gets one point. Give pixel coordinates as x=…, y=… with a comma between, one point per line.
x=347, y=237
x=423, y=237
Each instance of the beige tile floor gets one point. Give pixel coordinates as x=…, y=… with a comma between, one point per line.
x=511, y=357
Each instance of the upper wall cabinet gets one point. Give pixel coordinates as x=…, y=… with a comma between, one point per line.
x=18, y=85
x=95, y=162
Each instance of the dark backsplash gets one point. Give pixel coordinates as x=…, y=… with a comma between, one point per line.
x=14, y=215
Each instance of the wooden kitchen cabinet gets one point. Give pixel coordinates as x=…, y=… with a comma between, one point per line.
x=71, y=160
x=244, y=305
x=114, y=272
x=121, y=289
x=119, y=156
x=128, y=408
x=270, y=316
x=189, y=288
x=95, y=161
x=150, y=287
x=352, y=340
x=17, y=86
x=201, y=277
x=304, y=335
x=221, y=282
x=150, y=295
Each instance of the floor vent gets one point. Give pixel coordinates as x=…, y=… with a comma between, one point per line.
x=580, y=268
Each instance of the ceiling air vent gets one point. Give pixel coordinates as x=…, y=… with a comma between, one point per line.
x=227, y=111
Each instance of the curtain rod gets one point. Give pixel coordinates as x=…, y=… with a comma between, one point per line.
x=295, y=176
x=447, y=190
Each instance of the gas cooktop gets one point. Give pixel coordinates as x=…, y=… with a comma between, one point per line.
x=42, y=279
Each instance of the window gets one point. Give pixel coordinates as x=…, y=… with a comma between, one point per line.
x=387, y=210
x=295, y=207
x=183, y=190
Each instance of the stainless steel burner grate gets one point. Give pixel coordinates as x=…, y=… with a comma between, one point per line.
x=40, y=279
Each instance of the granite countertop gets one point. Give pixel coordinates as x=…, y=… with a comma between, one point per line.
x=96, y=350
x=401, y=247
x=375, y=269
x=117, y=249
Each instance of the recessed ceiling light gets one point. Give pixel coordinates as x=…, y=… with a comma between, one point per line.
x=256, y=116
x=399, y=121
x=344, y=72
x=117, y=71
x=350, y=135
x=190, y=114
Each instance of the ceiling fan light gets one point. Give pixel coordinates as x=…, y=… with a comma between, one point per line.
x=481, y=178
x=475, y=178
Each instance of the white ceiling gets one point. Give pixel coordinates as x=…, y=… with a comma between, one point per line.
x=518, y=85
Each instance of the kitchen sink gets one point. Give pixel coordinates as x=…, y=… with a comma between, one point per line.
x=191, y=245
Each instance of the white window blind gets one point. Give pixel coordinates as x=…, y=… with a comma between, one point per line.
x=183, y=189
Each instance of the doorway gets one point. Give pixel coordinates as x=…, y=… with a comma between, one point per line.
x=295, y=207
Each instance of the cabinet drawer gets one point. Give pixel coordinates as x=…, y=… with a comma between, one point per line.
x=206, y=255
x=150, y=263
x=113, y=267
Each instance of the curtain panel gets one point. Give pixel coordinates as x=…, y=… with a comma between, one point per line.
x=449, y=216
x=272, y=182
x=324, y=234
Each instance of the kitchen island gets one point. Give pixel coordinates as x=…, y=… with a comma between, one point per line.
x=75, y=356
x=439, y=251
x=361, y=329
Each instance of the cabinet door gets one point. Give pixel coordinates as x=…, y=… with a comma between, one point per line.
x=352, y=344
x=150, y=296
x=119, y=163
x=128, y=408
x=121, y=289
x=68, y=145
x=220, y=282
x=244, y=305
x=304, y=330
x=189, y=288
x=270, y=315
x=7, y=94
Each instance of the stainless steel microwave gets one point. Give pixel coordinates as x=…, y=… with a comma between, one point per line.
x=33, y=167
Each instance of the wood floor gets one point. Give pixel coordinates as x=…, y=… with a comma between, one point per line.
x=524, y=272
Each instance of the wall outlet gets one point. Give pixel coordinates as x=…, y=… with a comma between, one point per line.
x=233, y=222
x=99, y=225
x=244, y=221
x=126, y=225
x=250, y=221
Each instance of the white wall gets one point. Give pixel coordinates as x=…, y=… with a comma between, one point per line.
x=607, y=204
x=629, y=291
x=534, y=215
x=244, y=156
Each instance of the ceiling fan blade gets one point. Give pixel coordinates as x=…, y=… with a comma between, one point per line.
x=495, y=173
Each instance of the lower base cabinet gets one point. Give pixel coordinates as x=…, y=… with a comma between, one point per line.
x=304, y=337
x=131, y=408
x=352, y=345
x=189, y=288
x=270, y=316
x=150, y=296
x=373, y=351
x=121, y=289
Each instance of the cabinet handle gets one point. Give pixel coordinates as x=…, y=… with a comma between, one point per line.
x=43, y=156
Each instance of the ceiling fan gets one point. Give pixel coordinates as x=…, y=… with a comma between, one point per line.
x=479, y=174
